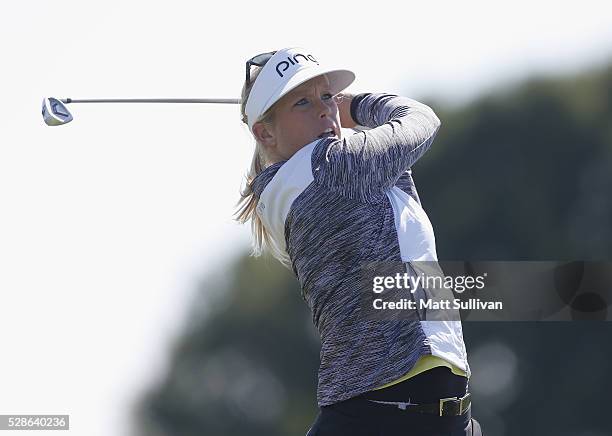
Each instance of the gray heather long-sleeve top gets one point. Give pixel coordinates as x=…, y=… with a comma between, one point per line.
x=337, y=203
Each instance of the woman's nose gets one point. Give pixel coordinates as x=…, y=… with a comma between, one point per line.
x=326, y=108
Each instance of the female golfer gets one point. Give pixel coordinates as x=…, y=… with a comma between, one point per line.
x=329, y=190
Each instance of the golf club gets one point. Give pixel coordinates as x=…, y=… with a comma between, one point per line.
x=55, y=113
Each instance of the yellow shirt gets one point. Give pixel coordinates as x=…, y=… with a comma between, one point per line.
x=423, y=364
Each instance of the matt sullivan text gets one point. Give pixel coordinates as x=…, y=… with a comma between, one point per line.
x=405, y=303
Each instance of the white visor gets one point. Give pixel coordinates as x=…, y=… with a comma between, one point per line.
x=287, y=69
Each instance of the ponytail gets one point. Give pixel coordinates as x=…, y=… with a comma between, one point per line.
x=247, y=203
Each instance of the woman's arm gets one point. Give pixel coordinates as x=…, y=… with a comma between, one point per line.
x=371, y=161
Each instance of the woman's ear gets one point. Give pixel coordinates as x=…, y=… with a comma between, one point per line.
x=264, y=134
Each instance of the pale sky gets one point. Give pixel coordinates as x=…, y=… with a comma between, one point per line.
x=108, y=223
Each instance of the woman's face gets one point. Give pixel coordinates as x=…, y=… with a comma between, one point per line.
x=300, y=117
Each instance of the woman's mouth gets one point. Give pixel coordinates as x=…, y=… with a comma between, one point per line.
x=327, y=133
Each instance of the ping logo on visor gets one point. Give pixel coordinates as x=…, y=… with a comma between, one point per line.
x=284, y=65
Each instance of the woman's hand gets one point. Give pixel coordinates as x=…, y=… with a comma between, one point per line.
x=344, y=107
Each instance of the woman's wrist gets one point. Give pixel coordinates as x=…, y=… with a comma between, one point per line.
x=344, y=108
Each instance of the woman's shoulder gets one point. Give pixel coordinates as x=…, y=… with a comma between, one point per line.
x=262, y=179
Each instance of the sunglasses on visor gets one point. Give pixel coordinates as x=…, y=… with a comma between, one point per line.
x=258, y=60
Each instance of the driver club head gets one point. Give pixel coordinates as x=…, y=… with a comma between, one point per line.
x=54, y=112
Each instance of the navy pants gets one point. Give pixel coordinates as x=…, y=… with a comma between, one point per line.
x=360, y=417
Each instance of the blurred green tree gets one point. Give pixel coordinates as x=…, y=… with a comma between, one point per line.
x=247, y=363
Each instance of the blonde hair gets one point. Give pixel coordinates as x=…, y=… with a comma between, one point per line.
x=247, y=204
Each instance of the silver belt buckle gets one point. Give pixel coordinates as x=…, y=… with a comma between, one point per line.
x=464, y=403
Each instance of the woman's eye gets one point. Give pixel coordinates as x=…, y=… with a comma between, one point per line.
x=326, y=96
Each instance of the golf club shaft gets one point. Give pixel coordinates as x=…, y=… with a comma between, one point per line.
x=153, y=100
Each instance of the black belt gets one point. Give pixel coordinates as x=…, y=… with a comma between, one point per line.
x=445, y=407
